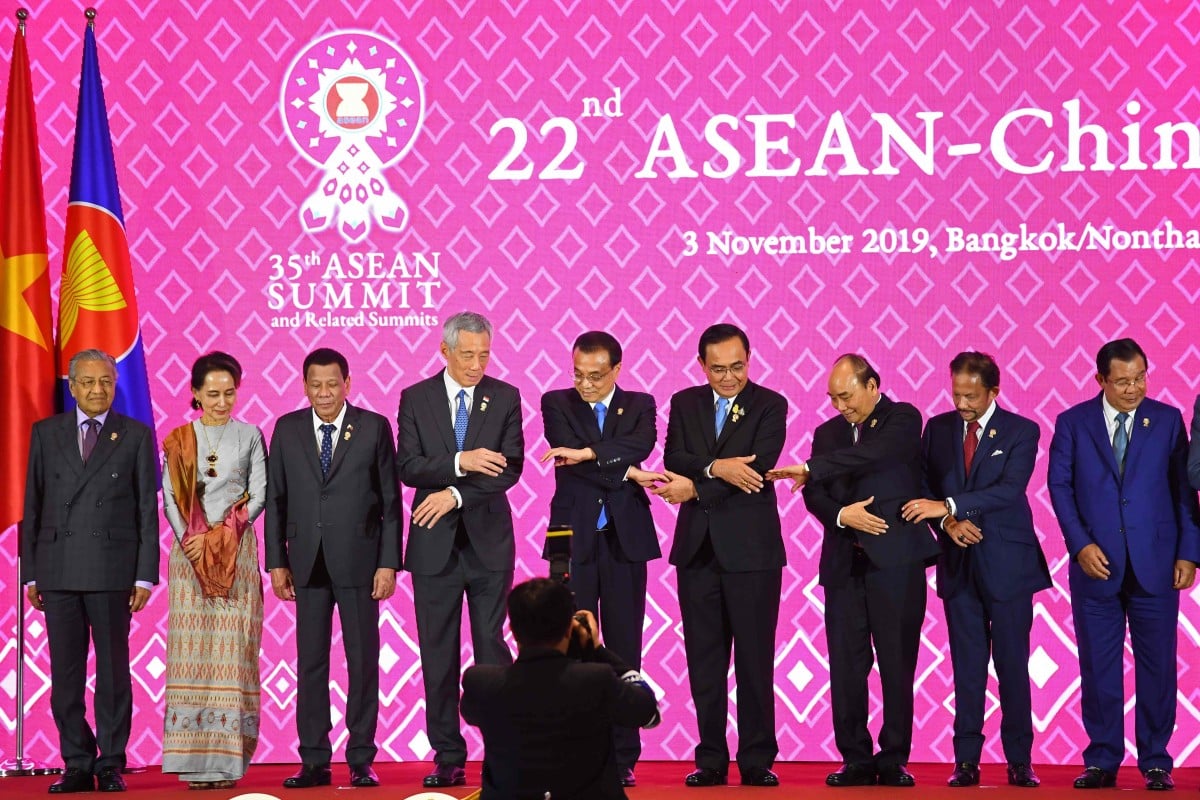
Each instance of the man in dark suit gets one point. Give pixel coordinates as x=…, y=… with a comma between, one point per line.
x=548, y=720
x=598, y=435
x=462, y=448
x=1118, y=483
x=978, y=461
x=1193, y=464
x=89, y=556
x=728, y=552
x=332, y=538
x=865, y=464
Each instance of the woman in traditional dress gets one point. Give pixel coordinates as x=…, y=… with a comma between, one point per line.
x=214, y=487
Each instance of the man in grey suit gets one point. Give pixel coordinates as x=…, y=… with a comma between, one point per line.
x=333, y=538
x=462, y=448
x=89, y=556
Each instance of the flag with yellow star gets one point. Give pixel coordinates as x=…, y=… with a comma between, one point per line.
x=26, y=346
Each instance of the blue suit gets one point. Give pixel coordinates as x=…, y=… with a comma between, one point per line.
x=987, y=588
x=1143, y=521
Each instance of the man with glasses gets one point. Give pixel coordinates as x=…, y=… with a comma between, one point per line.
x=461, y=447
x=722, y=437
x=599, y=434
x=1118, y=482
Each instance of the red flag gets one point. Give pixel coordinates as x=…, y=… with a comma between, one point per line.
x=26, y=346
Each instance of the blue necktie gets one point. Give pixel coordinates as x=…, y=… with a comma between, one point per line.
x=327, y=446
x=601, y=411
x=722, y=413
x=1121, y=441
x=460, y=420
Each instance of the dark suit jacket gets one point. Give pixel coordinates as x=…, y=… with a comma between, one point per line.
x=426, y=451
x=629, y=435
x=1151, y=510
x=744, y=527
x=1193, y=464
x=886, y=464
x=1009, y=560
x=93, y=527
x=352, y=514
x=547, y=725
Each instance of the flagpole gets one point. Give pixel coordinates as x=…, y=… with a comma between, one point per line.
x=18, y=765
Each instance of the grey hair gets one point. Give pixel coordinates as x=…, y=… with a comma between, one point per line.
x=90, y=355
x=467, y=321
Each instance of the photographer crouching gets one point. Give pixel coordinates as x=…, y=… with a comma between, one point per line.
x=547, y=720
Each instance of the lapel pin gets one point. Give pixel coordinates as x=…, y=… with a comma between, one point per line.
x=349, y=430
x=113, y=436
x=992, y=433
x=738, y=411
x=1145, y=422
x=483, y=403
x=620, y=411
x=873, y=422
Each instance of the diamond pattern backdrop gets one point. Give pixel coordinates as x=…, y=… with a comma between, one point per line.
x=212, y=187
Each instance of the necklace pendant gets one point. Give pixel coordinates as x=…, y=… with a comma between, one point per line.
x=212, y=457
x=211, y=472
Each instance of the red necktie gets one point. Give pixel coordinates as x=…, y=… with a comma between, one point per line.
x=970, y=443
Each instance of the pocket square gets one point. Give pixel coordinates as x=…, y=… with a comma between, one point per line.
x=997, y=452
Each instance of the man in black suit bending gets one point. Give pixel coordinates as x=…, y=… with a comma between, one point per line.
x=598, y=435
x=89, y=556
x=728, y=552
x=548, y=720
x=462, y=448
x=333, y=538
x=866, y=464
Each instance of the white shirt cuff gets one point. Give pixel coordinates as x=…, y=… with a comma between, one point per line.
x=458, y=473
x=457, y=496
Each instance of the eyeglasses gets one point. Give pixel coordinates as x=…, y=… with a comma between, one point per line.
x=593, y=378
x=1125, y=383
x=738, y=369
x=88, y=383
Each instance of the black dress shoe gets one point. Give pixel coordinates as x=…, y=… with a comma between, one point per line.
x=73, y=780
x=1023, y=775
x=362, y=776
x=759, y=776
x=705, y=777
x=1095, y=778
x=310, y=775
x=852, y=775
x=896, y=775
x=109, y=779
x=965, y=774
x=444, y=775
x=627, y=778
x=1159, y=780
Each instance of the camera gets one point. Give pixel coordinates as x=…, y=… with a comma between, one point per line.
x=558, y=552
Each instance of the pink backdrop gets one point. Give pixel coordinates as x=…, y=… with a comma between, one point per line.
x=213, y=184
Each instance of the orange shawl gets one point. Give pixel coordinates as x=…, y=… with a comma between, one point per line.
x=216, y=565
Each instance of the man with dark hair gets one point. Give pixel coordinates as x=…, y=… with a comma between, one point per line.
x=461, y=447
x=89, y=557
x=547, y=720
x=332, y=538
x=978, y=460
x=722, y=437
x=598, y=435
x=1118, y=483
x=866, y=462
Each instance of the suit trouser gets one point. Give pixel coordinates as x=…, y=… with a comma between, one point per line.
x=719, y=610
x=614, y=588
x=1153, y=631
x=359, y=615
x=69, y=618
x=978, y=624
x=884, y=608
x=438, y=600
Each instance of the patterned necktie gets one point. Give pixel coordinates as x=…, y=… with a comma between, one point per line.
x=91, y=435
x=722, y=413
x=1121, y=441
x=857, y=433
x=601, y=411
x=970, y=445
x=327, y=446
x=460, y=420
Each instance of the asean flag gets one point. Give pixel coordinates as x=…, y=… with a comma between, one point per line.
x=26, y=349
x=97, y=306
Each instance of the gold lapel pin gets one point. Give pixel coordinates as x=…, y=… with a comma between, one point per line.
x=113, y=436
x=873, y=422
x=620, y=411
x=992, y=433
x=1145, y=422
x=483, y=404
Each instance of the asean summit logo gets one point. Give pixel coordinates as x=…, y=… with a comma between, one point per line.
x=352, y=104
